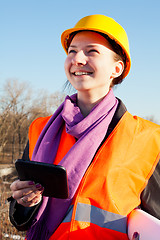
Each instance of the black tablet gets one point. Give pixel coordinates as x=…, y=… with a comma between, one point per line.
x=52, y=177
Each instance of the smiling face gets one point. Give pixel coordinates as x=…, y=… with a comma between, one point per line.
x=90, y=65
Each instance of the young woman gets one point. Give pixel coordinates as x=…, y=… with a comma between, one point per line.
x=111, y=157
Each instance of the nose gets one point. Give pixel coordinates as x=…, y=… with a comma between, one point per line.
x=79, y=58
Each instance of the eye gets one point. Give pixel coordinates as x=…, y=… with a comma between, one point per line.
x=93, y=51
x=71, y=51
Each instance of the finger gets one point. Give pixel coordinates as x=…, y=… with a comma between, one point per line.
x=32, y=195
x=34, y=201
x=23, y=196
x=17, y=185
x=21, y=193
x=28, y=191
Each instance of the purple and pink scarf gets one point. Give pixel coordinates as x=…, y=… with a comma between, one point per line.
x=89, y=132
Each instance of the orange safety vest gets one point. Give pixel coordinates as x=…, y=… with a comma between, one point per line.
x=112, y=184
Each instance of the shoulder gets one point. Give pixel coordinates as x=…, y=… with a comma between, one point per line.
x=38, y=124
x=40, y=121
x=151, y=129
x=143, y=124
x=147, y=123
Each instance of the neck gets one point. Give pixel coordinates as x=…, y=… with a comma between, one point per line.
x=87, y=102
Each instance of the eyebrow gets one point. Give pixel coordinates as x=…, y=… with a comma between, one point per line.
x=74, y=46
x=88, y=46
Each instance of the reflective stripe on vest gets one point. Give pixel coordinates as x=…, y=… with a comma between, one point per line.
x=100, y=217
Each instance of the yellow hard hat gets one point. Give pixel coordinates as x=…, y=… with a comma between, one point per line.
x=105, y=25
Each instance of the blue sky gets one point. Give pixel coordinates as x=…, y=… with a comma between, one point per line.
x=30, y=47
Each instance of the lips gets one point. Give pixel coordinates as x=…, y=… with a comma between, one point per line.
x=80, y=73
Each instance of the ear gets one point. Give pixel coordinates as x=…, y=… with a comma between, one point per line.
x=117, y=69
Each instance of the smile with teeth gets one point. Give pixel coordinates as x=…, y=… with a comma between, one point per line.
x=81, y=73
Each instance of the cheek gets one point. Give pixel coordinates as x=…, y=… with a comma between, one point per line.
x=67, y=66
